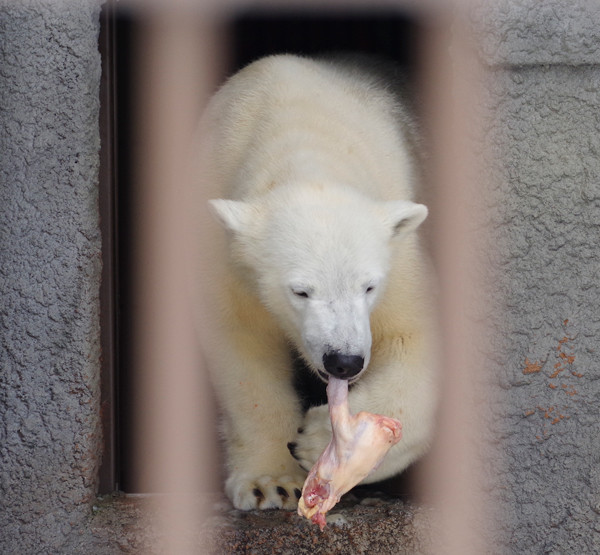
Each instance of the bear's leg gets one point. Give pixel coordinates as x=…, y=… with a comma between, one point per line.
x=262, y=414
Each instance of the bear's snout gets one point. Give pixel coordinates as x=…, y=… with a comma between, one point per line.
x=341, y=366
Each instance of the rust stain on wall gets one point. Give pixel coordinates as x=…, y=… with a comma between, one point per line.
x=532, y=367
x=559, y=381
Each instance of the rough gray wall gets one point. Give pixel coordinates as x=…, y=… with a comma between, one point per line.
x=526, y=32
x=543, y=92
x=49, y=271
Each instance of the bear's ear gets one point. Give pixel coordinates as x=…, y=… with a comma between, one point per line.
x=404, y=216
x=234, y=215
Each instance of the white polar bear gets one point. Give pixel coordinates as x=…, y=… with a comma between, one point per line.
x=313, y=168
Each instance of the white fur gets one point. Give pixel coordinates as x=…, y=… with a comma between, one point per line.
x=315, y=180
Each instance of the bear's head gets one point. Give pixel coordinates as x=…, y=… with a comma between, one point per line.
x=318, y=258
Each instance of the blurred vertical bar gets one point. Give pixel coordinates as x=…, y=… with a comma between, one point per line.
x=176, y=64
x=450, y=79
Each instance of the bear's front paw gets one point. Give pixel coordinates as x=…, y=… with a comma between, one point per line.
x=312, y=438
x=264, y=492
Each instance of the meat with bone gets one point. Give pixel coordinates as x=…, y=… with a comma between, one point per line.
x=358, y=444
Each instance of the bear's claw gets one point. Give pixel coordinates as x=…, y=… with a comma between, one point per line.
x=313, y=436
x=265, y=492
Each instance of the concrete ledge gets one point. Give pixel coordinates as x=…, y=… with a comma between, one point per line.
x=364, y=522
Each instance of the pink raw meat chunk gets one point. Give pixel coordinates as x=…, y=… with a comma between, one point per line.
x=357, y=447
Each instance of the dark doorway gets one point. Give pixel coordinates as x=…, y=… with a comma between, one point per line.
x=390, y=35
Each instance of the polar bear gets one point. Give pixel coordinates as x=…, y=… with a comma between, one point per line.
x=312, y=174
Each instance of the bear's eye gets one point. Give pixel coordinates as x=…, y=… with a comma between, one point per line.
x=370, y=289
x=300, y=293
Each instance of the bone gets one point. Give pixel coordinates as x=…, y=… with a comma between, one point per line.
x=358, y=445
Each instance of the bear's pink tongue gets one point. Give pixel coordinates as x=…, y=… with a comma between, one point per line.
x=358, y=445
x=337, y=392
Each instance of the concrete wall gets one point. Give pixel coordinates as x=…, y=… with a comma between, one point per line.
x=49, y=271
x=543, y=93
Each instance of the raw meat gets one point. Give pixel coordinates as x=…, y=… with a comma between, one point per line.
x=357, y=447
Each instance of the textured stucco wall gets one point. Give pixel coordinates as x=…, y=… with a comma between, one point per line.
x=543, y=93
x=49, y=271
x=530, y=32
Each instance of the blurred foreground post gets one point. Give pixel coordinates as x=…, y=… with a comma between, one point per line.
x=451, y=76
x=174, y=57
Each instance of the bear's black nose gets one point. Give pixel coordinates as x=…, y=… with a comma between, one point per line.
x=343, y=367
